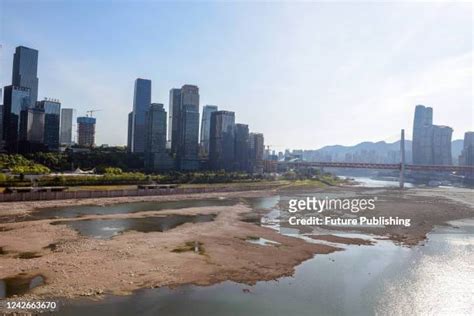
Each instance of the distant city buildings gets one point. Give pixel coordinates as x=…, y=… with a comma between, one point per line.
x=25, y=71
x=242, y=147
x=129, y=131
x=15, y=99
x=467, y=155
x=206, y=128
x=187, y=154
x=86, y=131
x=222, y=141
x=2, y=142
x=257, y=149
x=174, y=120
x=32, y=121
x=65, y=137
x=156, y=156
x=431, y=143
x=28, y=125
x=141, y=103
x=219, y=144
x=442, y=154
x=52, y=113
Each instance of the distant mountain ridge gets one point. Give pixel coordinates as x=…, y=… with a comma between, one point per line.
x=382, y=148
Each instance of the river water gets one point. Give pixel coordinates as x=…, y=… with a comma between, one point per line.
x=371, y=183
x=436, y=277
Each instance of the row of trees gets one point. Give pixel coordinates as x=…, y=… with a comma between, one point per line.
x=17, y=164
x=98, y=158
x=109, y=170
x=115, y=176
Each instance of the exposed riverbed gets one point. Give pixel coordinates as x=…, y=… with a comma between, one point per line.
x=119, y=249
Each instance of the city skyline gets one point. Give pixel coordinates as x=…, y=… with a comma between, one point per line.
x=295, y=111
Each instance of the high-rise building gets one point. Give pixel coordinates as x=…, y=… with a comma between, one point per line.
x=52, y=111
x=242, y=147
x=431, y=143
x=156, y=156
x=467, y=154
x=422, y=140
x=15, y=99
x=206, y=128
x=141, y=103
x=86, y=131
x=187, y=155
x=65, y=137
x=2, y=142
x=25, y=71
x=441, y=137
x=222, y=141
x=257, y=149
x=32, y=121
x=129, y=132
x=174, y=120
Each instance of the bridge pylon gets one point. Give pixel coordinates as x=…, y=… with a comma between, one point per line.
x=402, y=159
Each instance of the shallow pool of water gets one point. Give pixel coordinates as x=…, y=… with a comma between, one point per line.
x=124, y=208
x=374, y=183
x=107, y=228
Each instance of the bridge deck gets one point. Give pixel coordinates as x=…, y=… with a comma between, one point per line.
x=358, y=165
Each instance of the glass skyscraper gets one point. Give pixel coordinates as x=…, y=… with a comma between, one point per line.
x=15, y=99
x=129, y=132
x=141, y=103
x=65, y=137
x=156, y=156
x=25, y=71
x=222, y=139
x=206, y=127
x=174, y=119
x=183, y=126
x=242, y=149
x=422, y=140
x=52, y=111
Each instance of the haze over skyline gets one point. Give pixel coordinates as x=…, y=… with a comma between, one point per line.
x=304, y=74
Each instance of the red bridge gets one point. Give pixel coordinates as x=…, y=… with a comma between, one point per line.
x=386, y=166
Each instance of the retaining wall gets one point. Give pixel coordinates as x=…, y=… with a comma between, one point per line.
x=67, y=195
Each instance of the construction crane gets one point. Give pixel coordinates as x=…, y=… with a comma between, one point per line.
x=91, y=112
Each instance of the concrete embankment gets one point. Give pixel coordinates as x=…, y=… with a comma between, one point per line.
x=93, y=194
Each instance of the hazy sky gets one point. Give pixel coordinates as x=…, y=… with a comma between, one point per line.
x=306, y=74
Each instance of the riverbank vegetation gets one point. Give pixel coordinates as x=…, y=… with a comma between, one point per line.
x=17, y=164
x=35, y=170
